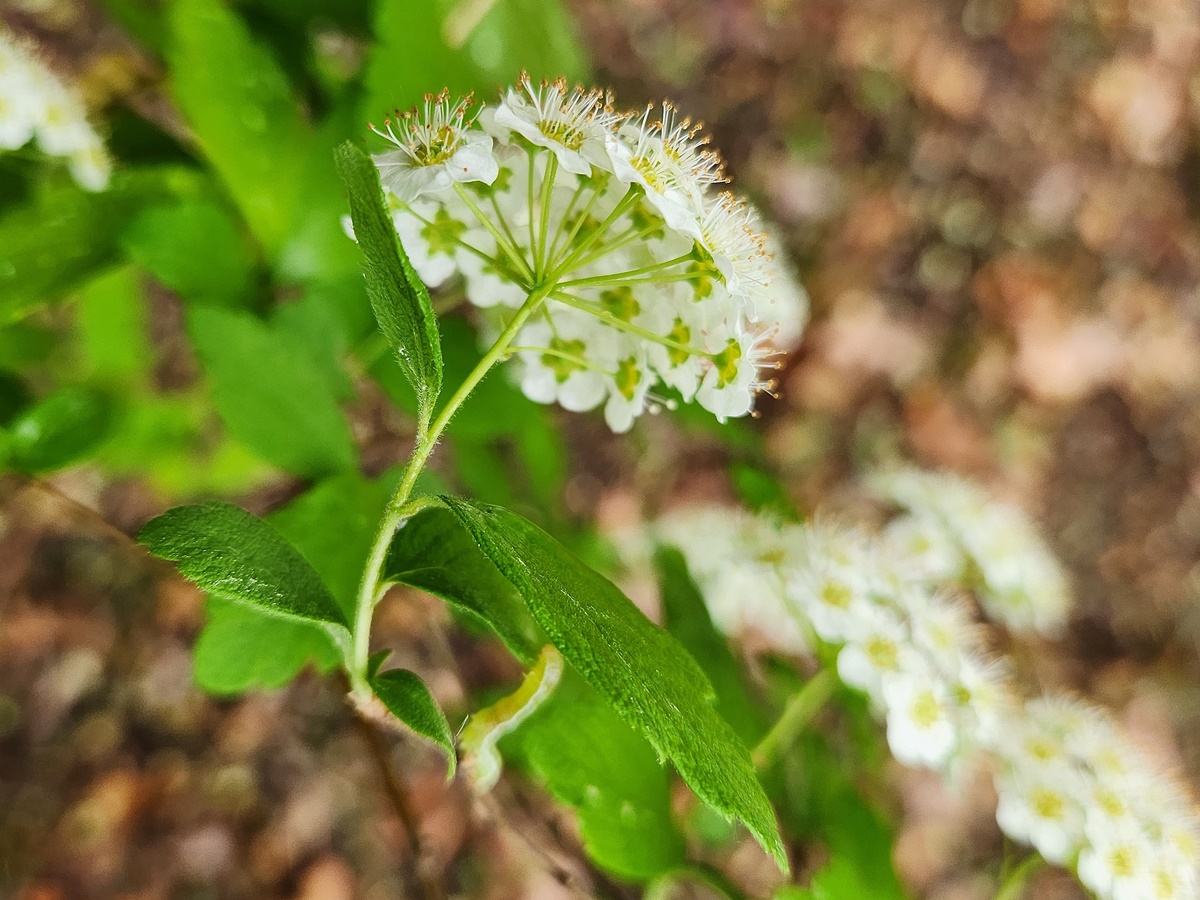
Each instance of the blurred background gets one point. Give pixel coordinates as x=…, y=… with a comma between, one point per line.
x=994, y=205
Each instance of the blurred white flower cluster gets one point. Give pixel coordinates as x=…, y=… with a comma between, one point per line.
x=35, y=103
x=960, y=533
x=650, y=277
x=913, y=650
x=1070, y=785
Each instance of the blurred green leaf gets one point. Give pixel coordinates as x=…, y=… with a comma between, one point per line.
x=398, y=296
x=229, y=553
x=14, y=395
x=432, y=552
x=269, y=394
x=244, y=115
x=59, y=430
x=113, y=328
x=195, y=248
x=64, y=234
x=240, y=648
x=644, y=673
x=408, y=699
x=589, y=759
x=687, y=618
x=536, y=36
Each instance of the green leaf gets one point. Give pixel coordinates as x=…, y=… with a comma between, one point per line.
x=243, y=113
x=229, y=553
x=432, y=552
x=589, y=759
x=535, y=35
x=195, y=248
x=268, y=393
x=64, y=234
x=114, y=328
x=241, y=648
x=331, y=526
x=399, y=298
x=59, y=430
x=644, y=673
x=686, y=617
x=408, y=699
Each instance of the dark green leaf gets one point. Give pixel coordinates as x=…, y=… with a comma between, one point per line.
x=241, y=648
x=432, y=552
x=229, y=553
x=588, y=758
x=408, y=699
x=268, y=393
x=195, y=248
x=687, y=618
x=59, y=430
x=647, y=677
x=399, y=298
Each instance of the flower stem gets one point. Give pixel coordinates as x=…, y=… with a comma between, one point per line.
x=543, y=248
x=501, y=241
x=576, y=302
x=632, y=276
x=631, y=197
x=1018, y=879
x=796, y=715
x=402, y=506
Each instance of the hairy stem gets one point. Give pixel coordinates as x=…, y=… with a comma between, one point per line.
x=401, y=507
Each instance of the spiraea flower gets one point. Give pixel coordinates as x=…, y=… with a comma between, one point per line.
x=644, y=281
x=966, y=535
x=36, y=105
x=1071, y=785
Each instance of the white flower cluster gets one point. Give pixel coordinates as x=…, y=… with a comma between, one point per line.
x=1069, y=784
x=914, y=651
x=610, y=221
x=34, y=103
x=1075, y=789
x=960, y=533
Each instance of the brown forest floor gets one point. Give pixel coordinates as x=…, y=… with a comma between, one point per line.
x=993, y=204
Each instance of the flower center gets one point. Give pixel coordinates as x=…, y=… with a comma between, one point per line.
x=1047, y=804
x=557, y=361
x=562, y=132
x=726, y=363
x=627, y=378
x=926, y=711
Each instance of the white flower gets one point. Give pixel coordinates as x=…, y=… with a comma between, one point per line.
x=1118, y=864
x=878, y=648
x=554, y=196
x=737, y=249
x=921, y=727
x=734, y=377
x=35, y=103
x=1042, y=809
x=571, y=123
x=436, y=149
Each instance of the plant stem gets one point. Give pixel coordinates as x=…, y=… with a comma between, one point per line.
x=401, y=507
x=1018, y=879
x=501, y=240
x=629, y=275
x=799, y=712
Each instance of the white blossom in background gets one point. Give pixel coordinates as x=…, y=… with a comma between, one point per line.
x=1072, y=786
x=35, y=105
x=653, y=280
x=1069, y=783
x=964, y=534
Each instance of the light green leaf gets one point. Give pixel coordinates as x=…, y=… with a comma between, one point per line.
x=647, y=677
x=408, y=699
x=195, y=248
x=241, y=648
x=535, y=35
x=686, y=617
x=432, y=552
x=229, y=553
x=114, y=329
x=245, y=118
x=589, y=759
x=59, y=430
x=398, y=296
x=268, y=393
